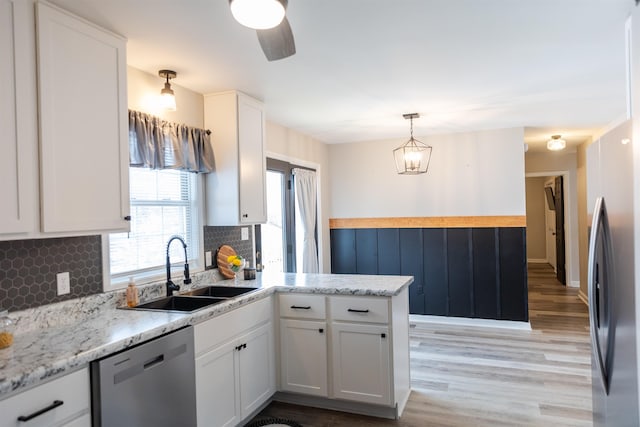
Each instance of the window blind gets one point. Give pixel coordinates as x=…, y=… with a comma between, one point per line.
x=162, y=205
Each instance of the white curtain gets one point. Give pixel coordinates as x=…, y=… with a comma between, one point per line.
x=306, y=194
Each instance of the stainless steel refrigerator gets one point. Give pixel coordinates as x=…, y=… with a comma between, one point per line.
x=611, y=279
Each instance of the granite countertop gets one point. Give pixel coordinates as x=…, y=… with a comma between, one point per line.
x=95, y=328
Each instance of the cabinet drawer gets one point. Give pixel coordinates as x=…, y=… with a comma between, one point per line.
x=220, y=329
x=72, y=390
x=359, y=309
x=302, y=306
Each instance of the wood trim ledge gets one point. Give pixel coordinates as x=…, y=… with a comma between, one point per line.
x=430, y=222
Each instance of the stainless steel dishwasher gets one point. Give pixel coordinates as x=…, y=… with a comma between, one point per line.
x=152, y=384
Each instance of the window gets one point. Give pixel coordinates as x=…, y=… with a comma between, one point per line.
x=163, y=204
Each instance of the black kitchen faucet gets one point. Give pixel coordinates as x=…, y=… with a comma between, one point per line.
x=187, y=280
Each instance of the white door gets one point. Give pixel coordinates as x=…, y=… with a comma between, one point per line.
x=361, y=360
x=217, y=392
x=257, y=369
x=303, y=357
x=84, y=146
x=550, y=227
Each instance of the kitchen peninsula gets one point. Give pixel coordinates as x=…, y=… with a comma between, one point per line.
x=369, y=310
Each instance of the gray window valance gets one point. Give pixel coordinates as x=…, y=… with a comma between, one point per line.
x=158, y=144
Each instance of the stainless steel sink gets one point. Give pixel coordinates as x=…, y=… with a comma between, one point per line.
x=220, y=291
x=179, y=303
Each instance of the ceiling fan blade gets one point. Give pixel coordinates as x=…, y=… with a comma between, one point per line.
x=277, y=43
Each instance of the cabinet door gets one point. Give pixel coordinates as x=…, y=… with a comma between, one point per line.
x=257, y=369
x=217, y=392
x=18, y=165
x=361, y=369
x=83, y=123
x=303, y=357
x=252, y=161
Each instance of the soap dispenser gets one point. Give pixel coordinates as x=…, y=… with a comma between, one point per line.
x=132, y=293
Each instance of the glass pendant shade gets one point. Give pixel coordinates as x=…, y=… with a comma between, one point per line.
x=258, y=14
x=556, y=144
x=412, y=158
x=168, y=98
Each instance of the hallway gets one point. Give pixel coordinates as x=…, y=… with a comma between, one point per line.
x=477, y=376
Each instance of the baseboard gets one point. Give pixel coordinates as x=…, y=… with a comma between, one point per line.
x=573, y=284
x=465, y=321
x=256, y=411
x=537, y=261
x=402, y=402
x=390, y=412
x=583, y=297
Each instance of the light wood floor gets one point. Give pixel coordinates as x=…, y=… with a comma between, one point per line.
x=472, y=376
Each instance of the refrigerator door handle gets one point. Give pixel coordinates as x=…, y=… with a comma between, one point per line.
x=598, y=225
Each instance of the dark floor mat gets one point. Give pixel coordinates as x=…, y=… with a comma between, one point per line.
x=273, y=422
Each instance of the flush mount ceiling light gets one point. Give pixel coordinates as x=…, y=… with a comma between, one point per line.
x=258, y=14
x=556, y=144
x=168, y=98
x=412, y=158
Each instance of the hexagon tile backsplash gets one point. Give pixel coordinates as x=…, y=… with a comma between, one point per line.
x=28, y=270
x=214, y=237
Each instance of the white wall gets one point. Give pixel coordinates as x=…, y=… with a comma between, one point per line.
x=144, y=95
x=537, y=163
x=471, y=174
x=286, y=144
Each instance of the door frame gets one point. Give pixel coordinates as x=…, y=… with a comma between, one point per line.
x=320, y=220
x=550, y=242
x=566, y=183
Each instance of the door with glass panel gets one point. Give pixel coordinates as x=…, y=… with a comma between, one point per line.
x=274, y=239
x=279, y=241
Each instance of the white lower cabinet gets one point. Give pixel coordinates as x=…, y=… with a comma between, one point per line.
x=345, y=351
x=217, y=391
x=62, y=402
x=361, y=363
x=256, y=369
x=235, y=371
x=303, y=357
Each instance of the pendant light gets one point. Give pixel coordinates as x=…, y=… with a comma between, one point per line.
x=556, y=144
x=413, y=157
x=168, y=98
x=258, y=14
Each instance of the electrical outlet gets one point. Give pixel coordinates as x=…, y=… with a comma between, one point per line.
x=244, y=233
x=63, y=283
x=207, y=259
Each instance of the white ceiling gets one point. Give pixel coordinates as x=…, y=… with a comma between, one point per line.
x=551, y=66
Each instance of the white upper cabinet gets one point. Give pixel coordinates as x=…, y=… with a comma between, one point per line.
x=18, y=120
x=83, y=124
x=236, y=188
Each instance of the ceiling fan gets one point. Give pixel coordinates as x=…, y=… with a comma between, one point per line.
x=268, y=18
